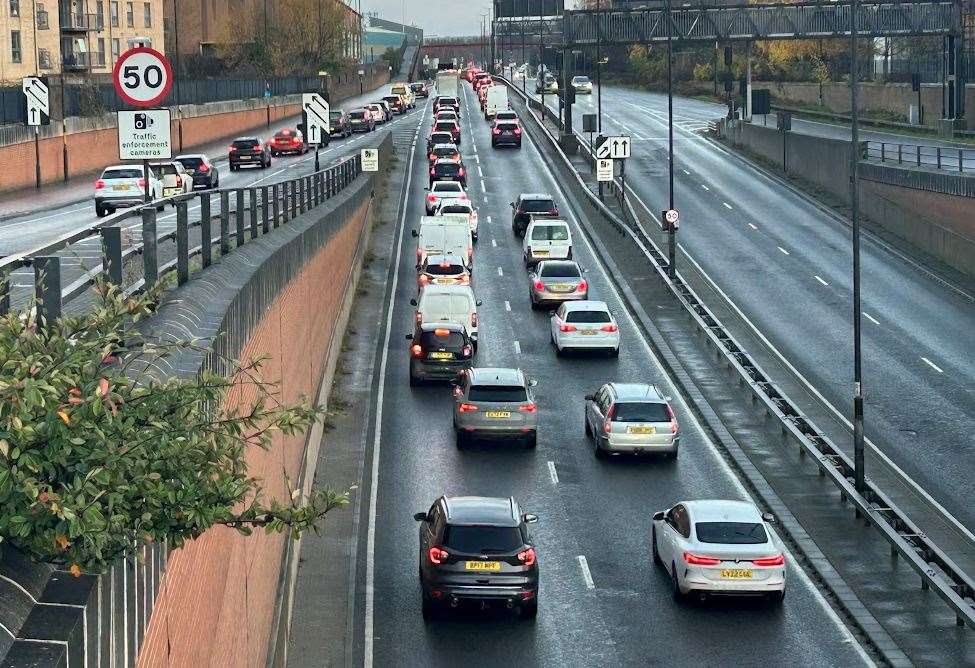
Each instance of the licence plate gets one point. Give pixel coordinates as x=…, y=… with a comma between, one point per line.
x=498, y=414
x=641, y=430
x=444, y=281
x=561, y=287
x=588, y=332
x=441, y=356
x=120, y=187
x=246, y=157
x=483, y=565
x=540, y=252
x=736, y=573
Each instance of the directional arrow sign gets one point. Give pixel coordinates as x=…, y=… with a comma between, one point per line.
x=38, y=100
x=617, y=148
x=316, y=116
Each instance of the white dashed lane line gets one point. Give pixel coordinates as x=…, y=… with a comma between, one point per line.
x=586, y=573
x=870, y=318
x=727, y=206
x=507, y=305
x=552, y=473
x=517, y=348
x=705, y=187
x=784, y=251
x=494, y=243
x=819, y=278
x=753, y=226
x=500, y=271
x=932, y=365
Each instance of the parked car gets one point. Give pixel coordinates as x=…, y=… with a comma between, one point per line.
x=459, y=208
x=288, y=141
x=338, y=123
x=582, y=84
x=440, y=137
x=453, y=127
x=248, y=151
x=204, y=173
x=442, y=270
x=174, y=178
x=122, y=186
x=405, y=92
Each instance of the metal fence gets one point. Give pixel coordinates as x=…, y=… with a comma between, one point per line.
x=929, y=157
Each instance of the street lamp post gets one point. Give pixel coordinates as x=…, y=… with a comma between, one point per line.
x=859, y=477
x=671, y=227
x=599, y=66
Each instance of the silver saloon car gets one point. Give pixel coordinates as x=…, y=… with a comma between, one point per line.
x=495, y=403
x=556, y=281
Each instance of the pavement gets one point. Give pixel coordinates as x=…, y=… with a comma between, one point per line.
x=601, y=600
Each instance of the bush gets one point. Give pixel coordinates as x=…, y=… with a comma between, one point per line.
x=703, y=72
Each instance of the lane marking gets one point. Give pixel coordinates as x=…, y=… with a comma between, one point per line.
x=932, y=365
x=817, y=277
x=517, y=348
x=500, y=272
x=586, y=573
x=784, y=251
x=727, y=206
x=494, y=243
x=870, y=318
x=480, y=173
x=705, y=187
x=489, y=220
x=753, y=226
x=552, y=473
x=686, y=172
x=507, y=305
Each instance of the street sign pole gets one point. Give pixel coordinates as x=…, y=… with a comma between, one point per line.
x=37, y=157
x=317, y=167
x=145, y=177
x=671, y=229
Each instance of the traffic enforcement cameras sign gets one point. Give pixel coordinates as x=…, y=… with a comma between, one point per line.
x=144, y=135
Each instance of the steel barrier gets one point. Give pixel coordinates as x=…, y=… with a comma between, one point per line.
x=948, y=158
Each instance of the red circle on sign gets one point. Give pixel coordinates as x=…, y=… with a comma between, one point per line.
x=120, y=89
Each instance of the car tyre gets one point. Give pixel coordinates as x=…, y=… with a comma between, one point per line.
x=100, y=211
x=414, y=381
x=597, y=450
x=653, y=547
x=678, y=594
x=529, y=610
x=587, y=427
x=615, y=352
x=776, y=598
x=461, y=439
x=531, y=442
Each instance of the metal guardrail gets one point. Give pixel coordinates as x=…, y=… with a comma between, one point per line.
x=258, y=210
x=935, y=568
x=931, y=157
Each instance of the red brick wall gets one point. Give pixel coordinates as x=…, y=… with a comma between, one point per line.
x=216, y=602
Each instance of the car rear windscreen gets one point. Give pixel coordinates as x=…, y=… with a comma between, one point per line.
x=445, y=150
x=507, y=127
x=455, y=208
x=550, y=233
x=560, y=270
x=245, y=143
x=448, y=100
x=451, y=340
x=537, y=205
x=357, y=114
x=447, y=168
x=122, y=174
x=447, y=126
x=641, y=412
x=442, y=137
x=497, y=393
x=731, y=533
x=507, y=115
x=164, y=169
x=591, y=317
x=449, y=187
x=191, y=163
x=482, y=539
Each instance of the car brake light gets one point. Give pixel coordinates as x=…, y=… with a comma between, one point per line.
x=553, y=212
x=565, y=327
x=99, y=184
x=416, y=350
x=474, y=319
x=527, y=557
x=463, y=196
x=233, y=149
x=697, y=560
x=433, y=156
x=470, y=252
x=583, y=286
x=431, y=198
x=467, y=408
x=673, y=420
x=441, y=332
x=609, y=328
x=528, y=408
x=424, y=279
x=179, y=181
x=608, y=423
x=437, y=555
x=517, y=131
x=496, y=131
x=419, y=317
x=203, y=168
x=777, y=560
x=257, y=147
x=466, y=352
x=464, y=280
x=433, y=172
x=539, y=285
x=460, y=172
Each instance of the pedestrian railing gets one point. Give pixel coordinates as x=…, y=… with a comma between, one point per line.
x=946, y=158
x=55, y=276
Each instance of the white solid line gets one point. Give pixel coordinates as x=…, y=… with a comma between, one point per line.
x=482, y=184
x=784, y=250
x=507, y=305
x=686, y=172
x=727, y=206
x=870, y=318
x=933, y=365
x=705, y=187
x=517, y=348
x=552, y=473
x=820, y=280
x=586, y=574
x=500, y=272
x=494, y=243
x=753, y=226
x=480, y=172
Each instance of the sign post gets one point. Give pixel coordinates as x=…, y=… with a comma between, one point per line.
x=38, y=98
x=617, y=148
x=315, y=110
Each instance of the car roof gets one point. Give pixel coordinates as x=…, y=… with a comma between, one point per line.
x=247, y=139
x=132, y=166
x=465, y=290
x=637, y=392
x=446, y=185
x=191, y=155
x=585, y=305
x=540, y=221
x=559, y=263
x=473, y=510
x=535, y=196
x=497, y=376
x=450, y=146
x=723, y=510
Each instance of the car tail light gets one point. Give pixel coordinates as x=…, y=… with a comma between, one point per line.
x=424, y=279
x=673, y=420
x=466, y=351
x=233, y=149
x=529, y=408
x=431, y=198
x=433, y=172
x=99, y=184
x=608, y=422
x=204, y=168
x=464, y=279
x=467, y=408
x=527, y=557
x=433, y=156
x=539, y=285
x=474, y=319
x=416, y=350
x=460, y=172
x=519, y=212
x=517, y=132
x=419, y=317
x=697, y=560
x=470, y=252
x=142, y=182
x=609, y=328
x=295, y=140
x=437, y=555
x=565, y=327
x=583, y=286
x=463, y=196
x=179, y=181
x=553, y=212
x=778, y=560
x=496, y=131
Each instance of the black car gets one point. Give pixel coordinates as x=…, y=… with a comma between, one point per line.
x=420, y=89
x=361, y=120
x=204, y=173
x=528, y=205
x=439, y=351
x=338, y=124
x=445, y=169
x=477, y=548
x=506, y=133
x=248, y=151
x=437, y=137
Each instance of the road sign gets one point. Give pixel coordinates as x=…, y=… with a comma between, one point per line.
x=144, y=135
x=617, y=148
x=142, y=77
x=38, y=100
x=315, y=109
x=671, y=216
x=604, y=169
x=370, y=160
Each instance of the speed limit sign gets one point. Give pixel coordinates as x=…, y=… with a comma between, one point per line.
x=142, y=77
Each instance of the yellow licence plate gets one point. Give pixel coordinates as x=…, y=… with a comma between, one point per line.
x=540, y=252
x=561, y=287
x=588, y=332
x=641, y=430
x=736, y=573
x=441, y=356
x=498, y=414
x=483, y=565
x=120, y=187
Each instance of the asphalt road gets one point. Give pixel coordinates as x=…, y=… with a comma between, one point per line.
x=787, y=266
x=593, y=513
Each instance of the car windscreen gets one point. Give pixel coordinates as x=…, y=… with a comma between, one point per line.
x=497, y=393
x=482, y=539
x=447, y=167
x=122, y=174
x=438, y=269
x=641, y=412
x=550, y=233
x=450, y=340
x=731, y=533
x=191, y=163
x=245, y=143
x=537, y=205
x=560, y=270
x=588, y=317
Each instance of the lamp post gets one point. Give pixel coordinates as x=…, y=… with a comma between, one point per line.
x=671, y=227
x=599, y=66
x=859, y=477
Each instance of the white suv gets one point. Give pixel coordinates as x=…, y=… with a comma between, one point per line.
x=122, y=186
x=444, y=190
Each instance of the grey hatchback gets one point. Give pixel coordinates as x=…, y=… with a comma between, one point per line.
x=633, y=418
x=494, y=403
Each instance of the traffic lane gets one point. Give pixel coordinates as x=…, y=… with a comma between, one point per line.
x=628, y=491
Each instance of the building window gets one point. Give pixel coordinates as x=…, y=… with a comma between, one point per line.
x=43, y=23
x=116, y=49
x=129, y=15
x=100, y=15
x=101, y=51
x=15, y=7
x=15, y=52
x=147, y=14
x=44, y=59
x=114, y=17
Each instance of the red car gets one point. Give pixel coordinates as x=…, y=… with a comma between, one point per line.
x=453, y=127
x=288, y=141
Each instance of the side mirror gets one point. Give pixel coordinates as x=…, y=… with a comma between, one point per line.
x=458, y=391
x=768, y=517
x=511, y=204
x=413, y=303
x=529, y=518
x=658, y=516
x=420, y=517
x=479, y=302
x=532, y=382
x=426, y=189
x=551, y=313
x=409, y=337
x=414, y=233
x=590, y=397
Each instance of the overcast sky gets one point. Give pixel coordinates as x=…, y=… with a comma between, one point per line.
x=436, y=17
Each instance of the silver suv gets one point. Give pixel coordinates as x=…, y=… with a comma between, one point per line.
x=631, y=417
x=494, y=403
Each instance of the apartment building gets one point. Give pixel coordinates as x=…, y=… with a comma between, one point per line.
x=73, y=36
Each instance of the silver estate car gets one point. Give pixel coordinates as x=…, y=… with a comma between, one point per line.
x=631, y=417
x=494, y=403
x=556, y=281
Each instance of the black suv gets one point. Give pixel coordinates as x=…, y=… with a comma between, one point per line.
x=528, y=205
x=420, y=89
x=477, y=548
x=439, y=351
x=338, y=124
x=445, y=169
x=248, y=151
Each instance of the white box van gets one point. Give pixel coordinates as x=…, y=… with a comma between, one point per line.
x=444, y=235
x=496, y=100
x=547, y=239
x=448, y=303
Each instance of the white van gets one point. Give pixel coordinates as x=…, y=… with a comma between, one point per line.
x=444, y=235
x=448, y=303
x=547, y=239
x=496, y=100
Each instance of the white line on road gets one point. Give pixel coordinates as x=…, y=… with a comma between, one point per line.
x=870, y=318
x=705, y=187
x=784, y=251
x=480, y=172
x=517, y=348
x=686, y=172
x=507, y=305
x=500, y=272
x=932, y=365
x=489, y=220
x=727, y=206
x=818, y=278
x=552, y=473
x=483, y=187
x=586, y=574
x=494, y=243
x=753, y=226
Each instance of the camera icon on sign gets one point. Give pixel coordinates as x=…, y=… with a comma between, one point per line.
x=143, y=122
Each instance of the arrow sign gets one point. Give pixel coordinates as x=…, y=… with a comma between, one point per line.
x=617, y=148
x=38, y=101
x=316, y=116
x=314, y=133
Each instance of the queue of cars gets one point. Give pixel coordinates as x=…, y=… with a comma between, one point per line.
x=475, y=548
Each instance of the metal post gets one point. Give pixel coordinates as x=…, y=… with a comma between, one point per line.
x=253, y=212
x=150, y=255
x=37, y=157
x=317, y=166
x=599, y=66
x=145, y=177
x=748, y=81
x=206, y=248
x=293, y=187
x=265, y=211
x=671, y=231
x=239, y=217
x=182, y=244
x=300, y=183
x=276, y=205
x=4, y=292
x=112, y=254
x=224, y=222
x=47, y=289
x=855, y=218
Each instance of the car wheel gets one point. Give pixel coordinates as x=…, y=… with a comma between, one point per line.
x=531, y=441
x=678, y=594
x=100, y=211
x=414, y=381
x=162, y=207
x=776, y=598
x=615, y=352
x=597, y=450
x=460, y=439
x=588, y=428
x=529, y=610
x=653, y=547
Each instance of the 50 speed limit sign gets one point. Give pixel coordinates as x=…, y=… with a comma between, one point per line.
x=142, y=77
